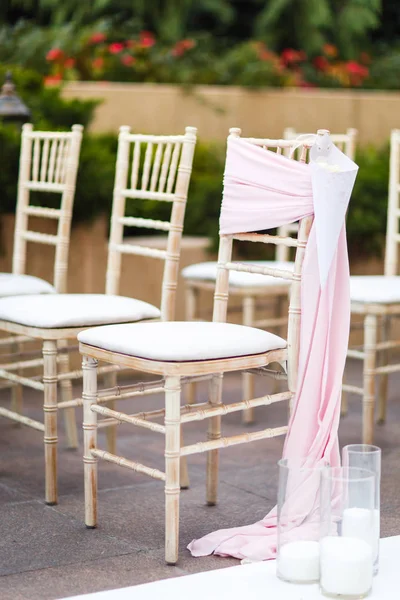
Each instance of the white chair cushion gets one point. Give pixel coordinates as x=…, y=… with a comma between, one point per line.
x=182, y=341
x=21, y=285
x=207, y=271
x=74, y=310
x=375, y=289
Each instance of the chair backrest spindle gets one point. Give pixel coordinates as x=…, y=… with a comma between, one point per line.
x=165, y=175
x=48, y=163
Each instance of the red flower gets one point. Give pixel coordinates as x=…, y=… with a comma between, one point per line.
x=266, y=55
x=330, y=50
x=97, y=38
x=54, y=54
x=98, y=63
x=177, y=51
x=290, y=56
x=128, y=60
x=354, y=68
x=115, y=48
x=147, y=39
x=52, y=79
x=321, y=63
x=69, y=63
x=182, y=46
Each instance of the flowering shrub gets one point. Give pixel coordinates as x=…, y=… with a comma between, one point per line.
x=251, y=63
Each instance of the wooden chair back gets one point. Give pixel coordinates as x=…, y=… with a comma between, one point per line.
x=48, y=163
x=346, y=142
x=392, y=227
x=151, y=167
x=225, y=263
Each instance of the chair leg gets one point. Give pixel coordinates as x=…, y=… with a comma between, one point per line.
x=248, y=309
x=214, y=433
x=69, y=414
x=370, y=336
x=184, y=480
x=17, y=390
x=172, y=467
x=384, y=377
x=50, y=419
x=110, y=381
x=89, y=367
x=191, y=297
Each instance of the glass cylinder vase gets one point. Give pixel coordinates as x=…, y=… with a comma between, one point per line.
x=347, y=532
x=365, y=456
x=298, y=521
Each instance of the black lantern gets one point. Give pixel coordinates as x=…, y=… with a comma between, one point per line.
x=12, y=109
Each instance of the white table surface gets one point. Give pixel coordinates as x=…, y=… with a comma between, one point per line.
x=253, y=581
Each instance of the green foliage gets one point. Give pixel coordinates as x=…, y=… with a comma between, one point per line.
x=385, y=72
x=366, y=221
x=49, y=110
x=309, y=24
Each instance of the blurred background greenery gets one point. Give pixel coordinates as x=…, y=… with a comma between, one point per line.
x=246, y=42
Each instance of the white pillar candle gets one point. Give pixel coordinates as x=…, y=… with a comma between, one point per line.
x=299, y=561
x=346, y=566
x=362, y=524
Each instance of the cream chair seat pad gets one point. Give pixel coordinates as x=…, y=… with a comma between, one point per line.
x=182, y=341
x=55, y=311
x=379, y=289
x=19, y=285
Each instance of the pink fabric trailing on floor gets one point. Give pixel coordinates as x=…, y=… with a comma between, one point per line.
x=263, y=190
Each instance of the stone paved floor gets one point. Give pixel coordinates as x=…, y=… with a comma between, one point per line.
x=46, y=553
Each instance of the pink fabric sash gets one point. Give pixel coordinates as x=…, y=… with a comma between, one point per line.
x=263, y=190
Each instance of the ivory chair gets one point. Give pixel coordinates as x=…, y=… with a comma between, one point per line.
x=53, y=317
x=250, y=287
x=216, y=347
x=48, y=164
x=377, y=299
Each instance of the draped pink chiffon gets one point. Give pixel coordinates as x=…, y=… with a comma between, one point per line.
x=264, y=190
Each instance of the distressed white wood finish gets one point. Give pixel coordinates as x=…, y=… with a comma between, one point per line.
x=34, y=156
x=37, y=173
x=175, y=374
x=172, y=160
x=167, y=163
x=248, y=296
x=375, y=353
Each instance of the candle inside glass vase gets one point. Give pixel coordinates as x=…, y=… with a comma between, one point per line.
x=298, y=557
x=348, y=525
x=365, y=456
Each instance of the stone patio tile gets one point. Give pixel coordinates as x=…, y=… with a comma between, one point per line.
x=136, y=514
x=34, y=536
x=86, y=577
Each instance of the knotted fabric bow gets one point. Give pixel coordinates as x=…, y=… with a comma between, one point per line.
x=264, y=190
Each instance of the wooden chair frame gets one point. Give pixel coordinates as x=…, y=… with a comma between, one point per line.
x=249, y=295
x=48, y=164
x=176, y=373
x=377, y=317
x=177, y=164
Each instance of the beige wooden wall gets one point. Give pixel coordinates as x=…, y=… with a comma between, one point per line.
x=154, y=108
